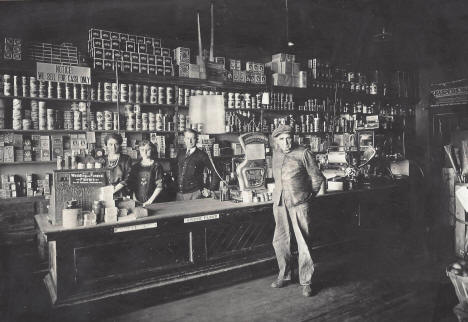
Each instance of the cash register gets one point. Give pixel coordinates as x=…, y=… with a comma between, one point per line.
x=251, y=173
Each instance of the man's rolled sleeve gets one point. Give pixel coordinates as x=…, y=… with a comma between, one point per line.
x=313, y=170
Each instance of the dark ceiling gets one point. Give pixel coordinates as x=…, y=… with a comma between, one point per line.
x=423, y=31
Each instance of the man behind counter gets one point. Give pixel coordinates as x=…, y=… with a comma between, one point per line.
x=297, y=181
x=191, y=164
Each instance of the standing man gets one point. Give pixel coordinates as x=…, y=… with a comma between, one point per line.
x=191, y=164
x=297, y=181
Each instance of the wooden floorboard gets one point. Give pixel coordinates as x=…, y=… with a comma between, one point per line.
x=388, y=279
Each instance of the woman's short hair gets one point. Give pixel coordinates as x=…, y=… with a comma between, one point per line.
x=114, y=136
x=151, y=145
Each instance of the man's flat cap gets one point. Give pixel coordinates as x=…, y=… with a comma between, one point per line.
x=282, y=129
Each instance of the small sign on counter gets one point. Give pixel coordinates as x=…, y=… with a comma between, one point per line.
x=88, y=177
x=135, y=227
x=201, y=218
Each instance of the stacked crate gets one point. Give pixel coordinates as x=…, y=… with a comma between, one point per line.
x=63, y=54
x=129, y=53
x=286, y=71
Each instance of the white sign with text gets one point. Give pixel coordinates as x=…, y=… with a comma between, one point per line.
x=63, y=73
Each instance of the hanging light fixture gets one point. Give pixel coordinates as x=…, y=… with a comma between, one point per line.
x=289, y=43
x=383, y=36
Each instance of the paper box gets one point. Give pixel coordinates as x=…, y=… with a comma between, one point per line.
x=181, y=55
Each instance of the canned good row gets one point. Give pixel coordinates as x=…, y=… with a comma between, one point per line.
x=29, y=86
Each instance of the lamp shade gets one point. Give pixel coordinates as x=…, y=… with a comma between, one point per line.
x=209, y=111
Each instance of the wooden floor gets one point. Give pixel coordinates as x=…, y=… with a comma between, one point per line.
x=393, y=278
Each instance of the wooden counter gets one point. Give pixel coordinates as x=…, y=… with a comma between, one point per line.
x=185, y=240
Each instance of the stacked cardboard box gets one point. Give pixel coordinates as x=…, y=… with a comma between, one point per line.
x=286, y=71
x=320, y=69
x=255, y=73
x=129, y=53
x=13, y=48
x=63, y=54
x=182, y=60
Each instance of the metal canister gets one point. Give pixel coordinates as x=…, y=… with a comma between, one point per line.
x=161, y=95
x=24, y=83
x=32, y=86
x=123, y=92
x=107, y=92
x=154, y=95
x=146, y=94
x=169, y=95
x=77, y=120
x=76, y=92
x=93, y=93
x=16, y=86
x=84, y=92
x=59, y=90
x=130, y=121
x=7, y=85
x=50, y=90
x=115, y=92
x=42, y=89
x=131, y=93
x=138, y=93
x=115, y=120
x=99, y=92
x=68, y=91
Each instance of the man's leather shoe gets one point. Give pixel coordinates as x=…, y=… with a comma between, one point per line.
x=280, y=283
x=306, y=290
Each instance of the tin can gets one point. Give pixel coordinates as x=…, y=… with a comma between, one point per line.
x=146, y=94
x=59, y=90
x=114, y=92
x=50, y=90
x=76, y=92
x=84, y=92
x=138, y=93
x=153, y=95
x=169, y=95
x=33, y=90
x=107, y=92
x=16, y=86
x=161, y=95
x=99, y=92
x=93, y=94
x=131, y=93
x=123, y=92
x=115, y=120
x=68, y=91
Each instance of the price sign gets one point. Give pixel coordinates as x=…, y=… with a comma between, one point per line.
x=63, y=73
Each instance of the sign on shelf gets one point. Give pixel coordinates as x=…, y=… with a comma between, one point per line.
x=63, y=73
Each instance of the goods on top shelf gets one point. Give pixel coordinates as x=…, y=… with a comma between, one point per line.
x=63, y=54
x=254, y=73
x=129, y=53
x=13, y=48
x=286, y=71
x=15, y=186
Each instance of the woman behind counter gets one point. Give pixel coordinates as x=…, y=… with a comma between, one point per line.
x=145, y=180
x=118, y=163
